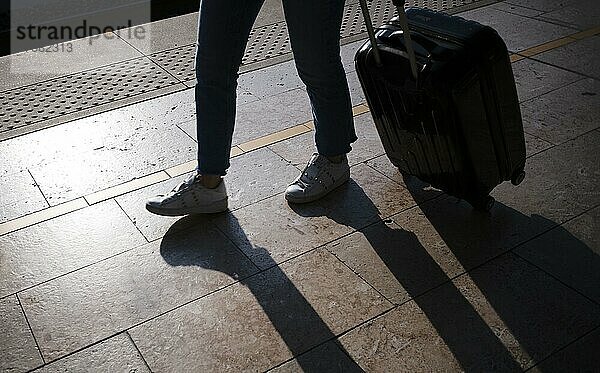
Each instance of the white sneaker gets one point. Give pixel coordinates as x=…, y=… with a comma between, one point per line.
x=320, y=176
x=190, y=197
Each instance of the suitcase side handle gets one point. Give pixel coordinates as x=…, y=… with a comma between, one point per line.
x=399, y=4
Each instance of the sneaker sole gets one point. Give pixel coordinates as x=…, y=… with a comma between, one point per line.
x=214, y=208
x=308, y=199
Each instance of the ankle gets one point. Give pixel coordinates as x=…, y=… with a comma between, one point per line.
x=336, y=158
x=209, y=181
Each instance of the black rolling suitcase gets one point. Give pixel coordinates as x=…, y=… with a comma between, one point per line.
x=444, y=102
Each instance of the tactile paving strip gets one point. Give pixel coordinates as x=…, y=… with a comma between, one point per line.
x=272, y=40
x=53, y=98
x=179, y=61
x=40, y=102
x=264, y=43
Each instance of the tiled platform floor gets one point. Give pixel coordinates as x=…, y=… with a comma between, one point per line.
x=387, y=275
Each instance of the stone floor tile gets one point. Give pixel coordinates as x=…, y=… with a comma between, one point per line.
x=420, y=191
x=190, y=129
x=288, y=234
x=403, y=340
x=118, y=293
x=296, y=150
x=565, y=113
x=20, y=69
x=561, y=182
x=295, y=229
x=455, y=230
x=534, y=79
x=58, y=246
x=503, y=316
x=582, y=14
x=95, y=159
x=541, y=313
x=20, y=196
x=272, y=114
x=263, y=321
x=271, y=80
x=252, y=177
x=257, y=175
x=519, y=214
x=400, y=262
x=175, y=108
x=356, y=92
x=581, y=356
x=385, y=166
x=535, y=145
x=519, y=10
x=164, y=34
x=244, y=97
x=518, y=32
x=543, y=5
x=189, y=126
x=347, y=52
x=571, y=253
x=368, y=145
x=271, y=12
x=299, y=149
x=117, y=354
x=19, y=352
x=579, y=56
x=11, y=79
x=152, y=226
x=148, y=121
x=327, y=358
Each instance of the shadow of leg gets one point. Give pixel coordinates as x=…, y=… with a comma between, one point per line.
x=531, y=312
x=465, y=333
x=296, y=322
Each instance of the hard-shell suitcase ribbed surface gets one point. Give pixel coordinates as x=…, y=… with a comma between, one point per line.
x=458, y=126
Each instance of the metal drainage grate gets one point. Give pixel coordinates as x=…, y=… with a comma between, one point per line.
x=27, y=106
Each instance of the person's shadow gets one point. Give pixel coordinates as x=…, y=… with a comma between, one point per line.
x=472, y=237
x=475, y=238
x=296, y=321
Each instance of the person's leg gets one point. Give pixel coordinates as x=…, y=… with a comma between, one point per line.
x=223, y=30
x=314, y=29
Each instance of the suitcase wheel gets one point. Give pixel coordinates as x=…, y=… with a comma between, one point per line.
x=484, y=204
x=518, y=177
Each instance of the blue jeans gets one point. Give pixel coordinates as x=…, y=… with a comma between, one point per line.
x=314, y=30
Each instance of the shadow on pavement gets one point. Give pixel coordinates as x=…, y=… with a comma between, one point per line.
x=296, y=321
x=521, y=303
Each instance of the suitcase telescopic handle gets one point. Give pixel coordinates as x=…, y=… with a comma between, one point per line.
x=399, y=4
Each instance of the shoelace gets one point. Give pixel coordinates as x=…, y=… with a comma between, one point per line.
x=185, y=184
x=317, y=161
